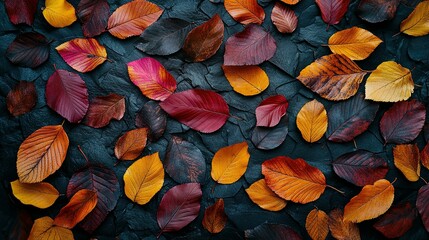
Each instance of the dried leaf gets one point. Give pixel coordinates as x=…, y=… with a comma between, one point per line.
x=41, y=195
x=333, y=10
x=264, y=197
x=214, y=217
x=59, y=13
x=130, y=145
x=316, y=224
x=422, y=205
x=230, y=163
x=44, y=229
x=22, y=98
x=246, y=80
x=284, y=18
x=340, y=229
x=397, y=220
x=272, y=232
x=153, y=117
x=375, y=11
x=407, y=159
x=103, y=109
x=94, y=15
x=312, y=121
x=245, y=11
x=424, y=156
x=417, y=23
x=269, y=138
x=21, y=11
x=271, y=110
x=28, y=50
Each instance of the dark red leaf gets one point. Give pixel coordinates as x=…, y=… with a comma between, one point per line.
x=271, y=110
x=403, y=122
x=252, y=46
x=272, y=232
x=184, y=162
x=94, y=15
x=103, y=109
x=201, y=110
x=21, y=11
x=21, y=226
x=269, y=138
x=360, y=167
x=101, y=180
x=28, y=50
x=397, y=220
x=375, y=11
x=333, y=10
x=422, y=205
x=426, y=132
x=179, y=206
x=66, y=94
x=350, y=118
x=153, y=117
x=22, y=98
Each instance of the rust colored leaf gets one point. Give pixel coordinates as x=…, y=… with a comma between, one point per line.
x=397, y=220
x=316, y=224
x=340, y=229
x=103, y=109
x=272, y=232
x=154, y=118
x=246, y=80
x=271, y=110
x=44, y=229
x=22, y=98
x=422, y=205
x=264, y=197
x=312, y=121
x=245, y=11
x=214, y=217
x=333, y=10
x=94, y=15
x=375, y=11
x=284, y=18
x=21, y=11
x=424, y=156
x=130, y=145
x=407, y=159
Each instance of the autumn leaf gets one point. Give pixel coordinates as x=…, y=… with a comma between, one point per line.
x=340, y=229
x=154, y=118
x=371, y=202
x=246, y=80
x=316, y=224
x=422, y=205
x=284, y=18
x=44, y=229
x=214, y=217
x=333, y=10
x=21, y=11
x=264, y=197
x=272, y=232
x=294, y=180
x=230, y=163
x=390, y=82
x=397, y=220
x=28, y=50
x=59, y=13
x=291, y=2
x=375, y=11
x=355, y=43
x=22, y=98
x=103, y=109
x=94, y=15
x=266, y=138
x=334, y=77
x=424, y=156
x=245, y=11
x=407, y=159
x=130, y=145
x=271, y=110
x=312, y=121
x=417, y=23
x=41, y=195
x=42, y=153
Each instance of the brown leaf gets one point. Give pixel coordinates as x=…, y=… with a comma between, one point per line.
x=214, y=217
x=316, y=224
x=407, y=159
x=245, y=11
x=284, y=18
x=130, y=145
x=340, y=229
x=22, y=98
x=102, y=109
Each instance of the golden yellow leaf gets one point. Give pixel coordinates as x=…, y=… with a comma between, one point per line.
x=41, y=195
x=230, y=163
x=390, y=82
x=144, y=178
x=417, y=23
x=407, y=159
x=312, y=121
x=316, y=224
x=340, y=229
x=371, y=202
x=44, y=229
x=356, y=43
x=264, y=197
x=246, y=80
x=59, y=13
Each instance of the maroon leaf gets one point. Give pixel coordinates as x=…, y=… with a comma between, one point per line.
x=21, y=11
x=184, y=162
x=252, y=46
x=201, y=110
x=403, y=122
x=103, y=109
x=422, y=205
x=101, y=180
x=22, y=98
x=270, y=138
x=397, y=220
x=333, y=10
x=375, y=11
x=360, y=167
x=426, y=132
x=179, y=207
x=153, y=117
x=28, y=50
x=272, y=232
x=350, y=118
x=284, y=18
x=66, y=94
x=271, y=110
x=94, y=15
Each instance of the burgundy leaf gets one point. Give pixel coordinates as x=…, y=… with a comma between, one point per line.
x=269, y=138
x=28, y=50
x=21, y=11
x=397, y=220
x=333, y=10
x=422, y=205
x=403, y=122
x=284, y=18
x=94, y=15
x=271, y=110
x=252, y=46
x=22, y=98
x=375, y=11
x=153, y=117
x=272, y=232
x=66, y=94
x=103, y=109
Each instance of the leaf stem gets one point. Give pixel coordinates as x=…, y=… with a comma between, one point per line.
x=394, y=180
x=336, y=189
x=159, y=234
x=396, y=34
x=426, y=182
x=62, y=123
x=83, y=154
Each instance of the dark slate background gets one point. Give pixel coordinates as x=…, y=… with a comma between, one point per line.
x=294, y=52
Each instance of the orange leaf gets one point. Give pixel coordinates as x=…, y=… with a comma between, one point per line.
x=230, y=163
x=44, y=229
x=340, y=229
x=41, y=195
x=42, y=153
x=291, y=2
x=264, y=197
x=284, y=18
x=214, y=217
x=80, y=205
x=245, y=11
x=246, y=80
x=130, y=145
x=407, y=159
x=294, y=180
x=371, y=202
x=312, y=121
x=316, y=224
x=132, y=18
x=424, y=156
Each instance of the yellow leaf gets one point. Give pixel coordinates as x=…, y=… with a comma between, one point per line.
x=41, y=195
x=230, y=163
x=390, y=82
x=144, y=178
x=43, y=229
x=312, y=121
x=264, y=197
x=316, y=224
x=417, y=23
x=59, y=13
x=407, y=159
x=371, y=202
x=356, y=43
x=246, y=80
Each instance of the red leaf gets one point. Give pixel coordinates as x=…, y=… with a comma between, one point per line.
x=284, y=18
x=22, y=98
x=179, y=207
x=21, y=11
x=271, y=110
x=201, y=110
x=397, y=220
x=333, y=10
x=252, y=46
x=360, y=167
x=66, y=94
x=103, y=109
x=28, y=50
x=403, y=122
x=94, y=15
x=272, y=232
x=154, y=81
x=422, y=205
x=424, y=156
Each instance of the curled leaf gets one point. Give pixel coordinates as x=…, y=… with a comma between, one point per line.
x=264, y=197
x=59, y=13
x=406, y=158
x=22, y=98
x=41, y=195
x=214, y=217
x=312, y=121
x=246, y=80
x=230, y=163
x=245, y=11
x=284, y=18
x=130, y=145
